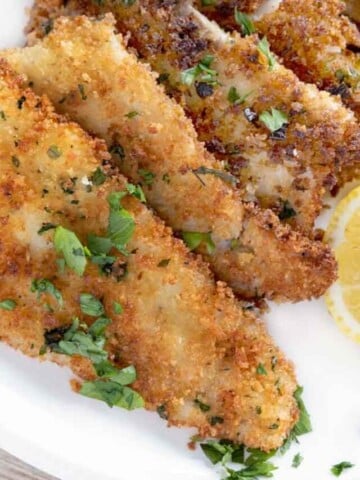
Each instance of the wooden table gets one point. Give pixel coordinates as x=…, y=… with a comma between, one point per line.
x=13, y=469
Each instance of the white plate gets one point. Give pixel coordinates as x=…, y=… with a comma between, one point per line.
x=75, y=438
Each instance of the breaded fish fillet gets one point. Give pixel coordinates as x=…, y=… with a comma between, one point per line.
x=187, y=336
x=315, y=39
x=88, y=73
x=227, y=85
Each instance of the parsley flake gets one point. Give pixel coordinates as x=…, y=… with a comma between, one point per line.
x=201, y=72
x=338, y=469
x=7, y=304
x=274, y=119
x=264, y=48
x=90, y=305
x=147, y=176
x=54, y=152
x=297, y=460
x=244, y=21
x=68, y=244
x=261, y=370
x=194, y=239
x=45, y=286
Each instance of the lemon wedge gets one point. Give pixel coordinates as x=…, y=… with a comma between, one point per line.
x=343, y=234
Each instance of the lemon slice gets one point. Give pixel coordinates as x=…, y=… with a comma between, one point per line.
x=343, y=234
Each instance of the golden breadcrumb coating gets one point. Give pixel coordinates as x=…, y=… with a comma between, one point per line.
x=293, y=168
x=88, y=73
x=187, y=335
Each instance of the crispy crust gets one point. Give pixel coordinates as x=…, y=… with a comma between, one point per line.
x=186, y=335
x=298, y=169
x=161, y=140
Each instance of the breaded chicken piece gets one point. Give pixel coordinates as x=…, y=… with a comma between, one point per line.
x=88, y=73
x=287, y=169
x=187, y=336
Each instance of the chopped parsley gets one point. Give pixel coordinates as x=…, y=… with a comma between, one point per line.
x=2, y=115
x=7, y=304
x=201, y=72
x=45, y=286
x=297, y=460
x=227, y=177
x=46, y=227
x=338, y=469
x=274, y=119
x=117, y=307
x=117, y=149
x=54, y=152
x=245, y=23
x=147, y=176
x=304, y=423
x=164, y=263
x=121, y=224
x=261, y=370
x=90, y=305
x=264, y=48
x=136, y=191
x=98, y=177
x=74, y=253
x=194, y=239
x=132, y=114
x=202, y=406
x=112, y=385
x=235, y=98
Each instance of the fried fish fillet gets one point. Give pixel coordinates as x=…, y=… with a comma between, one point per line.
x=88, y=73
x=315, y=39
x=287, y=169
x=187, y=336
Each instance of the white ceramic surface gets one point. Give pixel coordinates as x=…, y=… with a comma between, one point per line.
x=75, y=438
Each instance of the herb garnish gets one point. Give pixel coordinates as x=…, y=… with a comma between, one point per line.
x=194, y=239
x=91, y=306
x=98, y=177
x=164, y=262
x=7, y=304
x=147, y=176
x=338, y=469
x=297, y=460
x=15, y=161
x=201, y=72
x=203, y=406
x=227, y=177
x=117, y=307
x=132, y=114
x=111, y=386
x=136, y=191
x=121, y=224
x=287, y=211
x=245, y=22
x=264, y=48
x=45, y=286
x=81, y=88
x=274, y=119
x=54, y=152
x=261, y=370
x=74, y=253
x=235, y=98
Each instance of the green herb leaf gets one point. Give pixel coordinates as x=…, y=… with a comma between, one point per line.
x=54, y=152
x=45, y=286
x=258, y=456
x=147, y=176
x=123, y=377
x=338, y=469
x=287, y=211
x=252, y=472
x=304, y=423
x=81, y=89
x=98, y=328
x=235, y=98
x=98, y=177
x=120, y=228
x=136, y=191
x=261, y=370
x=245, y=22
x=46, y=227
x=7, y=304
x=99, y=245
x=132, y=114
x=113, y=394
x=201, y=71
x=194, y=239
x=202, y=406
x=216, y=451
x=264, y=48
x=90, y=305
x=226, y=177
x=118, y=309
x=297, y=460
x=68, y=244
x=274, y=119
